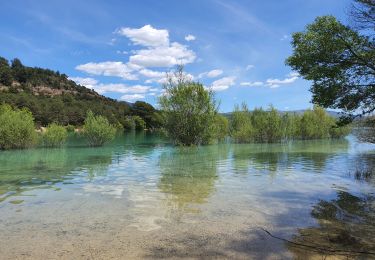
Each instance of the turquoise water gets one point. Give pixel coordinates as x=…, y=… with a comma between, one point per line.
x=140, y=197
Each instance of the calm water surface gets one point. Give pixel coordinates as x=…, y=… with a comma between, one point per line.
x=140, y=197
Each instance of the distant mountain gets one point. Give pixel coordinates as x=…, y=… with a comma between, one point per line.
x=52, y=97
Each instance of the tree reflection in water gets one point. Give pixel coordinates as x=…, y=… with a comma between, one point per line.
x=188, y=176
x=346, y=224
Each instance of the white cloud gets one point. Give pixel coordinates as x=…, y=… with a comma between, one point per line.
x=163, y=56
x=223, y=83
x=252, y=84
x=151, y=73
x=146, y=36
x=108, y=68
x=121, y=88
x=132, y=97
x=190, y=37
x=275, y=83
x=250, y=66
x=87, y=82
x=211, y=74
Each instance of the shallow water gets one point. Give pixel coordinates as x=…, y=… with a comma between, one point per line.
x=140, y=197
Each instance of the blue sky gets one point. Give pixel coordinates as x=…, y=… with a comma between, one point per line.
x=122, y=49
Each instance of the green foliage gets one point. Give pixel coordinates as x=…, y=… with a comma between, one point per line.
x=52, y=97
x=70, y=128
x=241, y=126
x=140, y=124
x=221, y=125
x=98, y=130
x=189, y=110
x=316, y=124
x=6, y=77
x=271, y=126
x=339, y=61
x=16, y=128
x=55, y=135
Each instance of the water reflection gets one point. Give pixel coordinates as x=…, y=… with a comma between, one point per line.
x=26, y=170
x=272, y=158
x=188, y=176
x=346, y=223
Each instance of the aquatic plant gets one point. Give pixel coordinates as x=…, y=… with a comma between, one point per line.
x=269, y=126
x=55, y=135
x=189, y=110
x=98, y=130
x=17, y=128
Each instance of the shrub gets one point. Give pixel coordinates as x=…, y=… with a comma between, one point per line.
x=221, y=125
x=70, y=128
x=270, y=126
x=139, y=123
x=55, y=135
x=17, y=129
x=241, y=126
x=189, y=110
x=98, y=130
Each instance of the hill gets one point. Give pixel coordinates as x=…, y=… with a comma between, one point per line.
x=52, y=97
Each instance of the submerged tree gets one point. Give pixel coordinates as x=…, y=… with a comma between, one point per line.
x=98, y=130
x=339, y=61
x=189, y=110
x=17, y=129
x=55, y=135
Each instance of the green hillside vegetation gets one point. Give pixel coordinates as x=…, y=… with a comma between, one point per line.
x=52, y=97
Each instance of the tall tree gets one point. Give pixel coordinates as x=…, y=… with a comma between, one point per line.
x=362, y=14
x=190, y=110
x=340, y=63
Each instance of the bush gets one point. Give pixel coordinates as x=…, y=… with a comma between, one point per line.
x=55, y=135
x=98, y=130
x=270, y=126
x=189, y=111
x=17, y=129
x=221, y=125
x=241, y=126
x=139, y=123
x=70, y=128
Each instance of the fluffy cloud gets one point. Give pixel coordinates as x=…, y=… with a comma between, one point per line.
x=108, y=68
x=189, y=37
x=113, y=87
x=151, y=73
x=223, y=83
x=275, y=83
x=163, y=56
x=87, y=82
x=211, y=74
x=252, y=84
x=146, y=36
x=131, y=98
x=121, y=88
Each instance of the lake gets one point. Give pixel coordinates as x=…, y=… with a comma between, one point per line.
x=140, y=197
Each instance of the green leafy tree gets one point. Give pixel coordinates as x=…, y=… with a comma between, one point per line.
x=241, y=126
x=221, y=124
x=340, y=63
x=55, y=135
x=98, y=130
x=6, y=77
x=17, y=128
x=189, y=110
x=363, y=14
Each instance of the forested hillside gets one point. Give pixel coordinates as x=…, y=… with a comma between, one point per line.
x=52, y=97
